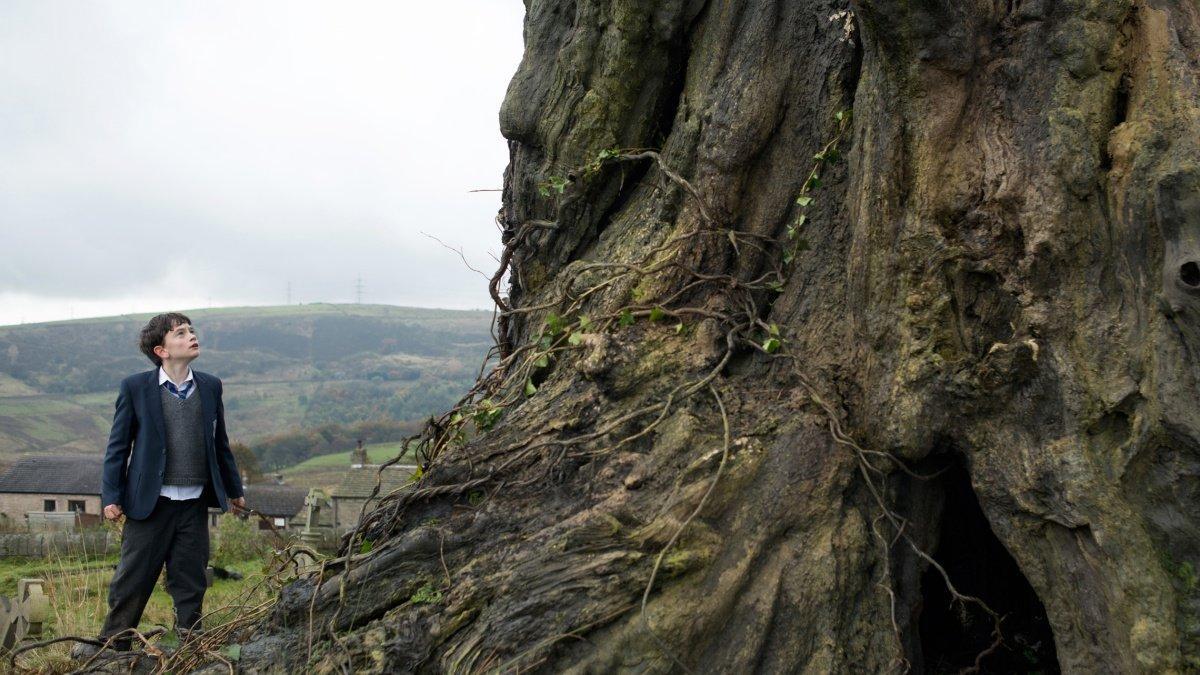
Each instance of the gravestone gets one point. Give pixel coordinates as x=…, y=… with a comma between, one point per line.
x=23, y=616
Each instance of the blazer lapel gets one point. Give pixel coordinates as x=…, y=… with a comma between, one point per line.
x=153, y=402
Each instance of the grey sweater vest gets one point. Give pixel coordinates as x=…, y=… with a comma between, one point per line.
x=187, y=463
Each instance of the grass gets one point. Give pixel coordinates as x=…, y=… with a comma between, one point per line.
x=15, y=569
x=377, y=454
x=21, y=434
x=78, y=593
x=326, y=471
x=10, y=386
x=44, y=422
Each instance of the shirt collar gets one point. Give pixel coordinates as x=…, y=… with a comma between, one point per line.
x=162, y=377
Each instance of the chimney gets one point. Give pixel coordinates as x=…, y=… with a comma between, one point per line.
x=359, y=456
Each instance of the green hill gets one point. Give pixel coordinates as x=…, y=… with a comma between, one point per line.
x=325, y=471
x=285, y=369
x=376, y=454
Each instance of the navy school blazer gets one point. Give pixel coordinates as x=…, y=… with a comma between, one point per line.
x=138, y=429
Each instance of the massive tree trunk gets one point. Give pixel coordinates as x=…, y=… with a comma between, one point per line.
x=789, y=388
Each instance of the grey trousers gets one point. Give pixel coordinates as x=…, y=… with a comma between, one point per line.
x=175, y=534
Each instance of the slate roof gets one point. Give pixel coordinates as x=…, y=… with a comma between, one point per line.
x=282, y=501
x=359, y=481
x=54, y=474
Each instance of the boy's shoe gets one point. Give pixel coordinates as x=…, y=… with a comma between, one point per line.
x=186, y=634
x=85, y=650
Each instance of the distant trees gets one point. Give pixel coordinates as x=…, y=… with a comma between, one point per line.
x=96, y=357
x=414, y=396
x=247, y=462
x=286, y=449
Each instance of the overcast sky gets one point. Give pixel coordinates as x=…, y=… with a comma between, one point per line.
x=170, y=155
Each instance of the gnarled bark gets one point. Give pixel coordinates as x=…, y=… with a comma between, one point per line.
x=1001, y=284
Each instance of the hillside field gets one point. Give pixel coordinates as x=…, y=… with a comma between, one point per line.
x=285, y=369
x=325, y=471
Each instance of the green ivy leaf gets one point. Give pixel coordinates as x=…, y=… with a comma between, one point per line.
x=554, y=323
x=553, y=184
x=680, y=328
x=773, y=330
x=626, y=318
x=530, y=389
x=542, y=361
x=801, y=219
x=366, y=546
x=656, y=314
x=1187, y=574
x=232, y=652
x=771, y=345
x=487, y=415
x=820, y=157
x=804, y=200
x=575, y=339
x=788, y=256
x=584, y=323
x=426, y=595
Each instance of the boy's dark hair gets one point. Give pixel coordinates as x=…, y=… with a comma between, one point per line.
x=156, y=330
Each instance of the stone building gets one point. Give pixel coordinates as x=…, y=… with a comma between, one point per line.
x=278, y=503
x=42, y=490
x=39, y=485
x=357, y=485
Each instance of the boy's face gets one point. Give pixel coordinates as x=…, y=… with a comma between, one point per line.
x=180, y=344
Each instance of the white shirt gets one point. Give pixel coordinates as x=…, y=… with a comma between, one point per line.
x=179, y=491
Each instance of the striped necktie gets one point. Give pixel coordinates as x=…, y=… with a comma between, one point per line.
x=181, y=394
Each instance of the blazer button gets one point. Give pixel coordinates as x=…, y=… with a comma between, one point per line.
x=160, y=472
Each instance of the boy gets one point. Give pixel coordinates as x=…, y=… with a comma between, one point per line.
x=171, y=419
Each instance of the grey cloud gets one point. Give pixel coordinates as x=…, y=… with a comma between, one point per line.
x=258, y=142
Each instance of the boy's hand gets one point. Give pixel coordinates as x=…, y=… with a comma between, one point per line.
x=238, y=503
x=113, y=511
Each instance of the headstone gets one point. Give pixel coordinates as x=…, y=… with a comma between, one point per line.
x=311, y=534
x=24, y=615
x=30, y=593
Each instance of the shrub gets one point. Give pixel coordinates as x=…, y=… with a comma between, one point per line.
x=237, y=540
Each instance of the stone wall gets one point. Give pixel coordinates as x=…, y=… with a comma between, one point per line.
x=346, y=511
x=41, y=544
